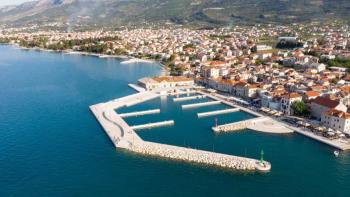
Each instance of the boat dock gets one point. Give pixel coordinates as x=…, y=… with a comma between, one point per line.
x=123, y=136
x=183, y=92
x=201, y=104
x=140, y=113
x=152, y=125
x=187, y=98
x=237, y=125
x=136, y=87
x=213, y=113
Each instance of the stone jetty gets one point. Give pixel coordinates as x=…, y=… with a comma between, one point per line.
x=196, y=156
x=237, y=125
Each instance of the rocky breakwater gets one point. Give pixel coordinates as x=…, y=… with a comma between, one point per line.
x=233, y=126
x=236, y=126
x=193, y=155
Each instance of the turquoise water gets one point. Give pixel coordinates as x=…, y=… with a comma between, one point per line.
x=51, y=145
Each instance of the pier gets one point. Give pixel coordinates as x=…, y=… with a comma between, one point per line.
x=213, y=113
x=123, y=136
x=201, y=104
x=140, y=113
x=237, y=125
x=136, y=87
x=152, y=125
x=183, y=92
x=187, y=98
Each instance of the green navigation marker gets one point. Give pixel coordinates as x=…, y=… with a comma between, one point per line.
x=262, y=156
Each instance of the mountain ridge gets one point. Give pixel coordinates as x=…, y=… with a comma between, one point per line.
x=204, y=12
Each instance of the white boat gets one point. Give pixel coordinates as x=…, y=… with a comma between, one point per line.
x=336, y=153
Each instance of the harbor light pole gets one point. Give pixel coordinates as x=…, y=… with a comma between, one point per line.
x=262, y=157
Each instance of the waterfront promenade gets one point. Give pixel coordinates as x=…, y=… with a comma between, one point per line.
x=123, y=136
x=273, y=125
x=265, y=124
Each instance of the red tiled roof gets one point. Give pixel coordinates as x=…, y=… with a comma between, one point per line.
x=345, y=88
x=337, y=113
x=312, y=93
x=326, y=102
x=292, y=95
x=241, y=83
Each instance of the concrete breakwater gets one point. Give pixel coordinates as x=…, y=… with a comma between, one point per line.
x=140, y=100
x=188, y=98
x=201, y=104
x=213, y=113
x=152, y=125
x=140, y=113
x=197, y=156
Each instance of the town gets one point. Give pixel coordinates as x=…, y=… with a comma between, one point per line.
x=297, y=74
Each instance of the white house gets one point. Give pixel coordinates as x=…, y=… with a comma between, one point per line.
x=321, y=105
x=337, y=120
x=165, y=82
x=287, y=101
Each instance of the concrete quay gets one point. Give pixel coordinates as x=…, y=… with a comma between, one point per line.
x=213, y=113
x=187, y=98
x=261, y=124
x=140, y=113
x=237, y=125
x=141, y=100
x=183, y=92
x=337, y=143
x=152, y=125
x=201, y=104
x=136, y=87
x=269, y=125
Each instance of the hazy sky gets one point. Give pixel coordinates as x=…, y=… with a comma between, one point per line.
x=12, y=2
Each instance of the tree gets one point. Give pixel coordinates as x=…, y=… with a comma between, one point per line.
x=299, y=108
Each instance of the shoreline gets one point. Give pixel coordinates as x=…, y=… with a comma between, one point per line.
x=124, y=59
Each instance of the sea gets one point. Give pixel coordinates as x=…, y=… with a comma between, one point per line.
x=52, y=145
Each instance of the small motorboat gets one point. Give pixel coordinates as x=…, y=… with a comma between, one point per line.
x=336, y=153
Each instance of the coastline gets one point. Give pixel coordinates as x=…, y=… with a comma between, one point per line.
x=124, y=59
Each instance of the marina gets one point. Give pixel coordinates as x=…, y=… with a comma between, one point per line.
x=124, y=136
x=76, y=150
